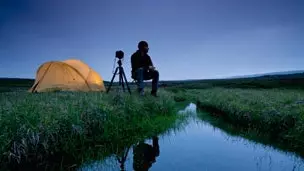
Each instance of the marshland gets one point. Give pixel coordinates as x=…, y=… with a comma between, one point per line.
x=228, y=125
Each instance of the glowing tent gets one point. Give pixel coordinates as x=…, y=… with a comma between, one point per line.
x=68, y=75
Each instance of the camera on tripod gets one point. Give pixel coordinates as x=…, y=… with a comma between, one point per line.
x=122, y=77
x=119, y=54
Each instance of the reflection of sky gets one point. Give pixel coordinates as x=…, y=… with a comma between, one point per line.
x=200, y=146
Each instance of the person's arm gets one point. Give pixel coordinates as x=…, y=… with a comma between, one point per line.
x=150, y=63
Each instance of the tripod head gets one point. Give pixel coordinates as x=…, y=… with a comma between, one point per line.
x=119, y=63
x=120, y=55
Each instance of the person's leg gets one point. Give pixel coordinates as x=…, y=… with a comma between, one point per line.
x=140, y=79
x=155, y=79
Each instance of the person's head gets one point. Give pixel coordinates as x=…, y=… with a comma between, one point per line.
x=143, y=47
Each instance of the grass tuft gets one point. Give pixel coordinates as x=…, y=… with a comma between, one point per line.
x=277, y=113
x=38, y=127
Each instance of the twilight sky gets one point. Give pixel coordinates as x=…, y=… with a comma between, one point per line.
x=188, y=39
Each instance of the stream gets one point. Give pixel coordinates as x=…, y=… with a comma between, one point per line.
x=199, y=146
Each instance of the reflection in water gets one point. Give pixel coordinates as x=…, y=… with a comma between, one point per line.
x=123, y=158
x=144, y=155
x=203, y=147
x=190, y=109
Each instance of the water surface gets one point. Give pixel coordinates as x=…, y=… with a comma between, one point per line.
x=202, y=147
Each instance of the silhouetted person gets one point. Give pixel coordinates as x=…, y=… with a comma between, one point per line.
x=144, y=155
x=143, y=69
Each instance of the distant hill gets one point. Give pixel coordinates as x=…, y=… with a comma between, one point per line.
x=290, y=79
x=281, y=73
x=271, y=73
x=15, y=84
x=16, y=81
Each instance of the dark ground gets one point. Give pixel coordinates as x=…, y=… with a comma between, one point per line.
x=291, y=81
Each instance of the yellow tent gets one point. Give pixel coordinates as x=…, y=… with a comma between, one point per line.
x=68, y=75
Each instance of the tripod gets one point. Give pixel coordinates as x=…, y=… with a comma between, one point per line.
x=123, y=158
x=122, y=76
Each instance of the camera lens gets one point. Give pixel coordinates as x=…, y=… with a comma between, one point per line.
x=119, y=54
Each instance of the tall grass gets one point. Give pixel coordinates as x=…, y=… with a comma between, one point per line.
x=60, y=128
x=278, y=113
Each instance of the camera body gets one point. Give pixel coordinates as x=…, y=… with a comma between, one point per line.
x=119, y=54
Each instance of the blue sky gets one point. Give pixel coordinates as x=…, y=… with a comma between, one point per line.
x=189, y=39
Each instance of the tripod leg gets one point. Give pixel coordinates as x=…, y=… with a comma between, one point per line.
x=112, y=80
x=124, y=75
x=119, y=83
x=121, y=78
x=122, y=83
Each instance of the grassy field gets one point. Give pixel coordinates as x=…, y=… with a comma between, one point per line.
x=277, y=114
x=270, y=107
x=38, y=128
x=62, y=129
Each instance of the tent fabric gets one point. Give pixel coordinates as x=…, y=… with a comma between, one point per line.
x=68, y=75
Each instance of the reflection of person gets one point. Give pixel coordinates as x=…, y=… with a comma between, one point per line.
x=143, y=69
x=144, y=155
